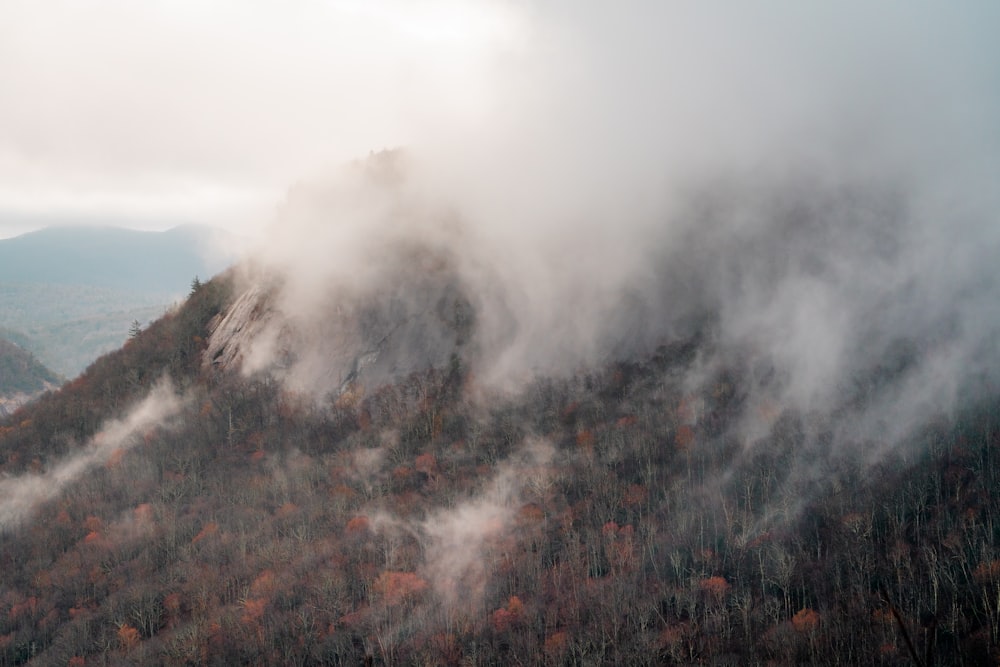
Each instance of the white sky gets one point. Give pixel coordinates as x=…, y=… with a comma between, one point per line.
x=155, y=111
x=164, y=111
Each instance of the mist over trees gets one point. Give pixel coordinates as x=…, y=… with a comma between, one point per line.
x=612, y=515
x=660, y=333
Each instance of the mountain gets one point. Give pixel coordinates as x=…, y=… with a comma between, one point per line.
x=21, y=377
x=173, y=505
x=765, y=435
x=72, y=293
x=113, y=257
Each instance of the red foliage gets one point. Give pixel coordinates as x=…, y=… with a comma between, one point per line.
x=628, y=420
x=143, y=513
x=115, y=459
x=715, y=586
x=398, y=587
x=508, y=616
x=128, y=636
x=286, y=510
x=172, y=605
x=555, y=645
x=253, y=610
x=530, y=513
x=987, y=571
x=806, y=620
x=263, y=585
x=209, y=529
x=358, y=524
x=426, y=463
x=26, y=608
x=635, y=494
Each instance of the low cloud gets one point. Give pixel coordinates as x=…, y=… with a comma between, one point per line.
x=20, y=496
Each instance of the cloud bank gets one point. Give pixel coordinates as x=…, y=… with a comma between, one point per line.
x=807, y=188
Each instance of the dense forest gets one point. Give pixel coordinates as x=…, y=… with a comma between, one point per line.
x=609, y=516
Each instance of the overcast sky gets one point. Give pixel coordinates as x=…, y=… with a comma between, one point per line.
x=153, y=113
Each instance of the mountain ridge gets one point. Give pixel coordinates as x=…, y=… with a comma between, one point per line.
x=110, y=256
x=429, y=518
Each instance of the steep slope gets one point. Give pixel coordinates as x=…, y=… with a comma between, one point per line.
x=390, y=441
x=611, y=516
x=21, y=377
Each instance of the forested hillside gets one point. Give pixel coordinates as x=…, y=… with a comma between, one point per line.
x=21, y=376
x=608, y=516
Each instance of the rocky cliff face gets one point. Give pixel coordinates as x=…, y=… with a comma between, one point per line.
x=416, y=316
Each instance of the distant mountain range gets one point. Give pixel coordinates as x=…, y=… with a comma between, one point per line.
x=70, y=294
x=161, y=262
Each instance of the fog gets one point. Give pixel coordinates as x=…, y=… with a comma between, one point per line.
x=808, y=189
x=21, y=495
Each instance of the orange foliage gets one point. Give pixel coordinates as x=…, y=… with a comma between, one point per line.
x=128, y=636
x=426, y=463
x=626, y=421
x=263, y=585
x=116, y=457
x=555, y=645
x=505, y=617
x=531, y=513
x=285, y=510
x=143, y=512
x=92, y=537
x=172, y=603
x=209, y=529
x=673, y=635
x=93, y=524
x=343, y=491
x=806, y=620
x=253, y=610
x=585, y=439
x=987, y=571
x=358, y=524
x=398, y=587
x=76, y=661
x=26, y=608
x=717, y=586
x=635, y=494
